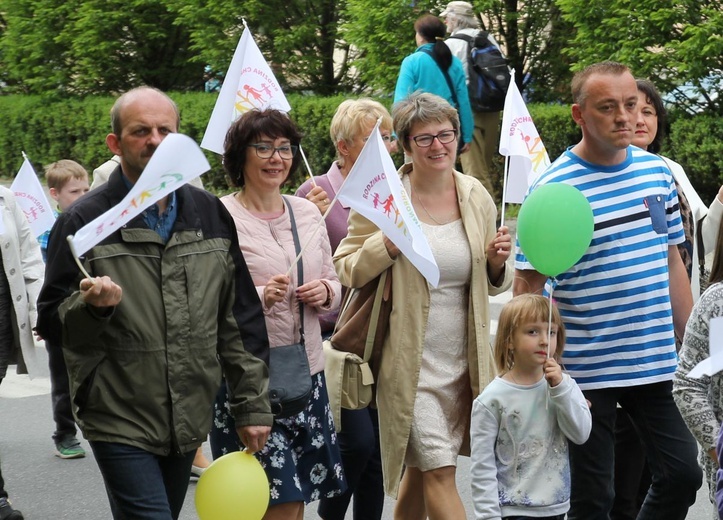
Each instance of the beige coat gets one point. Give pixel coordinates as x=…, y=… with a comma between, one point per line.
x=361, y=256
x=24, y=268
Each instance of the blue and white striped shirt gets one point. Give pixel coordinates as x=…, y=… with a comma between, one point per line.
x=615, y=302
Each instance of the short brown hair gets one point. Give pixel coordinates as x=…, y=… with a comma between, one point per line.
x=525, y=308
x=421, y=108
x=58, y=174
x=580, y=78
x=250, y=127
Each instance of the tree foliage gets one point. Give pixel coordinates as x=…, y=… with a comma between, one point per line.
x=94, y=46
x=672, y=42
x=299, y=39
x=382, y=33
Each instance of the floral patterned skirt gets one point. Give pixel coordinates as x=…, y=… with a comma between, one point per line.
x=301, y=457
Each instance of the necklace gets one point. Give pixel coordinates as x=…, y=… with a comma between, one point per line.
x=429, y=214
x=240, y=197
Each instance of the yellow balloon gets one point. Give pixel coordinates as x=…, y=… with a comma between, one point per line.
x=234, y=487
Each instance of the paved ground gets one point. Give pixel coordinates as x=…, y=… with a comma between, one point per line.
x=45, y=487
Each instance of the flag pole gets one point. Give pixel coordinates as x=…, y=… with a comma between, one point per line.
x=77, y=260
x=308, y=168
x=504, y=189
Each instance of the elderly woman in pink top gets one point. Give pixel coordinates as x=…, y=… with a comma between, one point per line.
x=350, y=128
x=301, y=457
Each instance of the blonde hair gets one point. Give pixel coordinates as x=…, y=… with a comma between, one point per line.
x=58, y=174
x=525, y=308
x=351, y=118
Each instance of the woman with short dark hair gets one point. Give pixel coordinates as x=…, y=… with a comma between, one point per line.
x=301, y=456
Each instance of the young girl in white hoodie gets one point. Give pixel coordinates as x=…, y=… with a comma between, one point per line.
x=522, y=420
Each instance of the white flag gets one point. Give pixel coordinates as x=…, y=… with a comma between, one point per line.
x=32, y=200
x=520, y=141
x=177, y=160
x=249, y=84
x=374, y=190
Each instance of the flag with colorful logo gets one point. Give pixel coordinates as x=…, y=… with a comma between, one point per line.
x=249, y=84
x=176, y=161
x=520, y=142
x=374, y=190
x=31, y=198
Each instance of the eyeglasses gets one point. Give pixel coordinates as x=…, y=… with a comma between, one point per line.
x=426, y=140
x=266, y=151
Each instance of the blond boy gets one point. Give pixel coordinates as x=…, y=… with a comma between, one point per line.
x=67, y=181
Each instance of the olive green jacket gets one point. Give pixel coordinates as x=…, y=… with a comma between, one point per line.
x=146, y=373
x=361, y=256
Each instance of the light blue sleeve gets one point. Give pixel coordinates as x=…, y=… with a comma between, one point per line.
x=405, y=81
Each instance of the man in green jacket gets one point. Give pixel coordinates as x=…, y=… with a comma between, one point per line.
x=171, y=304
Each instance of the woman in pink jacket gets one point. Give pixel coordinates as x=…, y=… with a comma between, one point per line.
x=301, y=457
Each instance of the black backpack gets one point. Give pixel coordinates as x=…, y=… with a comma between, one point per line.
x=489, y=77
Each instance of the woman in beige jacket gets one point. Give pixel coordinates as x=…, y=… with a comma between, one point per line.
x=436, y=357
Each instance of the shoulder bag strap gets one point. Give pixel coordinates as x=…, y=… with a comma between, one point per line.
x=446, y=77
x=373, y=320
x=299, y=268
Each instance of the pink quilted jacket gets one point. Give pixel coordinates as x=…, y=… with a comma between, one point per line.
x=268, y=247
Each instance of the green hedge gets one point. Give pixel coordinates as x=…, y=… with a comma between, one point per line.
x=48, y=130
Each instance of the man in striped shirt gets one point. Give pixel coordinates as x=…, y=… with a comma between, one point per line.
x=624, y=301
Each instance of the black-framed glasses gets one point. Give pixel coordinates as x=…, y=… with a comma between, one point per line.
x=426, y=140
x=266, y=151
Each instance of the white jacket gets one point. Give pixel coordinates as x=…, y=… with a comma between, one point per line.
x=24, y=269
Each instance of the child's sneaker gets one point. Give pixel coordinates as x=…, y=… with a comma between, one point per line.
x=7, y=512
x=68, y=448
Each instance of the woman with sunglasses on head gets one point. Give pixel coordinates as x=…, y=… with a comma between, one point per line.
x=436, y=357
x=301, y=457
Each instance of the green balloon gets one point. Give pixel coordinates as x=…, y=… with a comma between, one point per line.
x=555, y=227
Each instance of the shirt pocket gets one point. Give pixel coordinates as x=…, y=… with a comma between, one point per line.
x=656, y=209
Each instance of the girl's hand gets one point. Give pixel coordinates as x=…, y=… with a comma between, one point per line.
x=315, y=293
x=275, y=290
x=553, y=372
x=319, y=197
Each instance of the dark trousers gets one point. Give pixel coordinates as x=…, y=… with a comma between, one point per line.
x=361, y=456
x=670, y=450
x=632, y=477
x=60, y=393
x=141, y=485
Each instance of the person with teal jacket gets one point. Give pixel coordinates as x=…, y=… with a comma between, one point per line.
x=422, y=71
